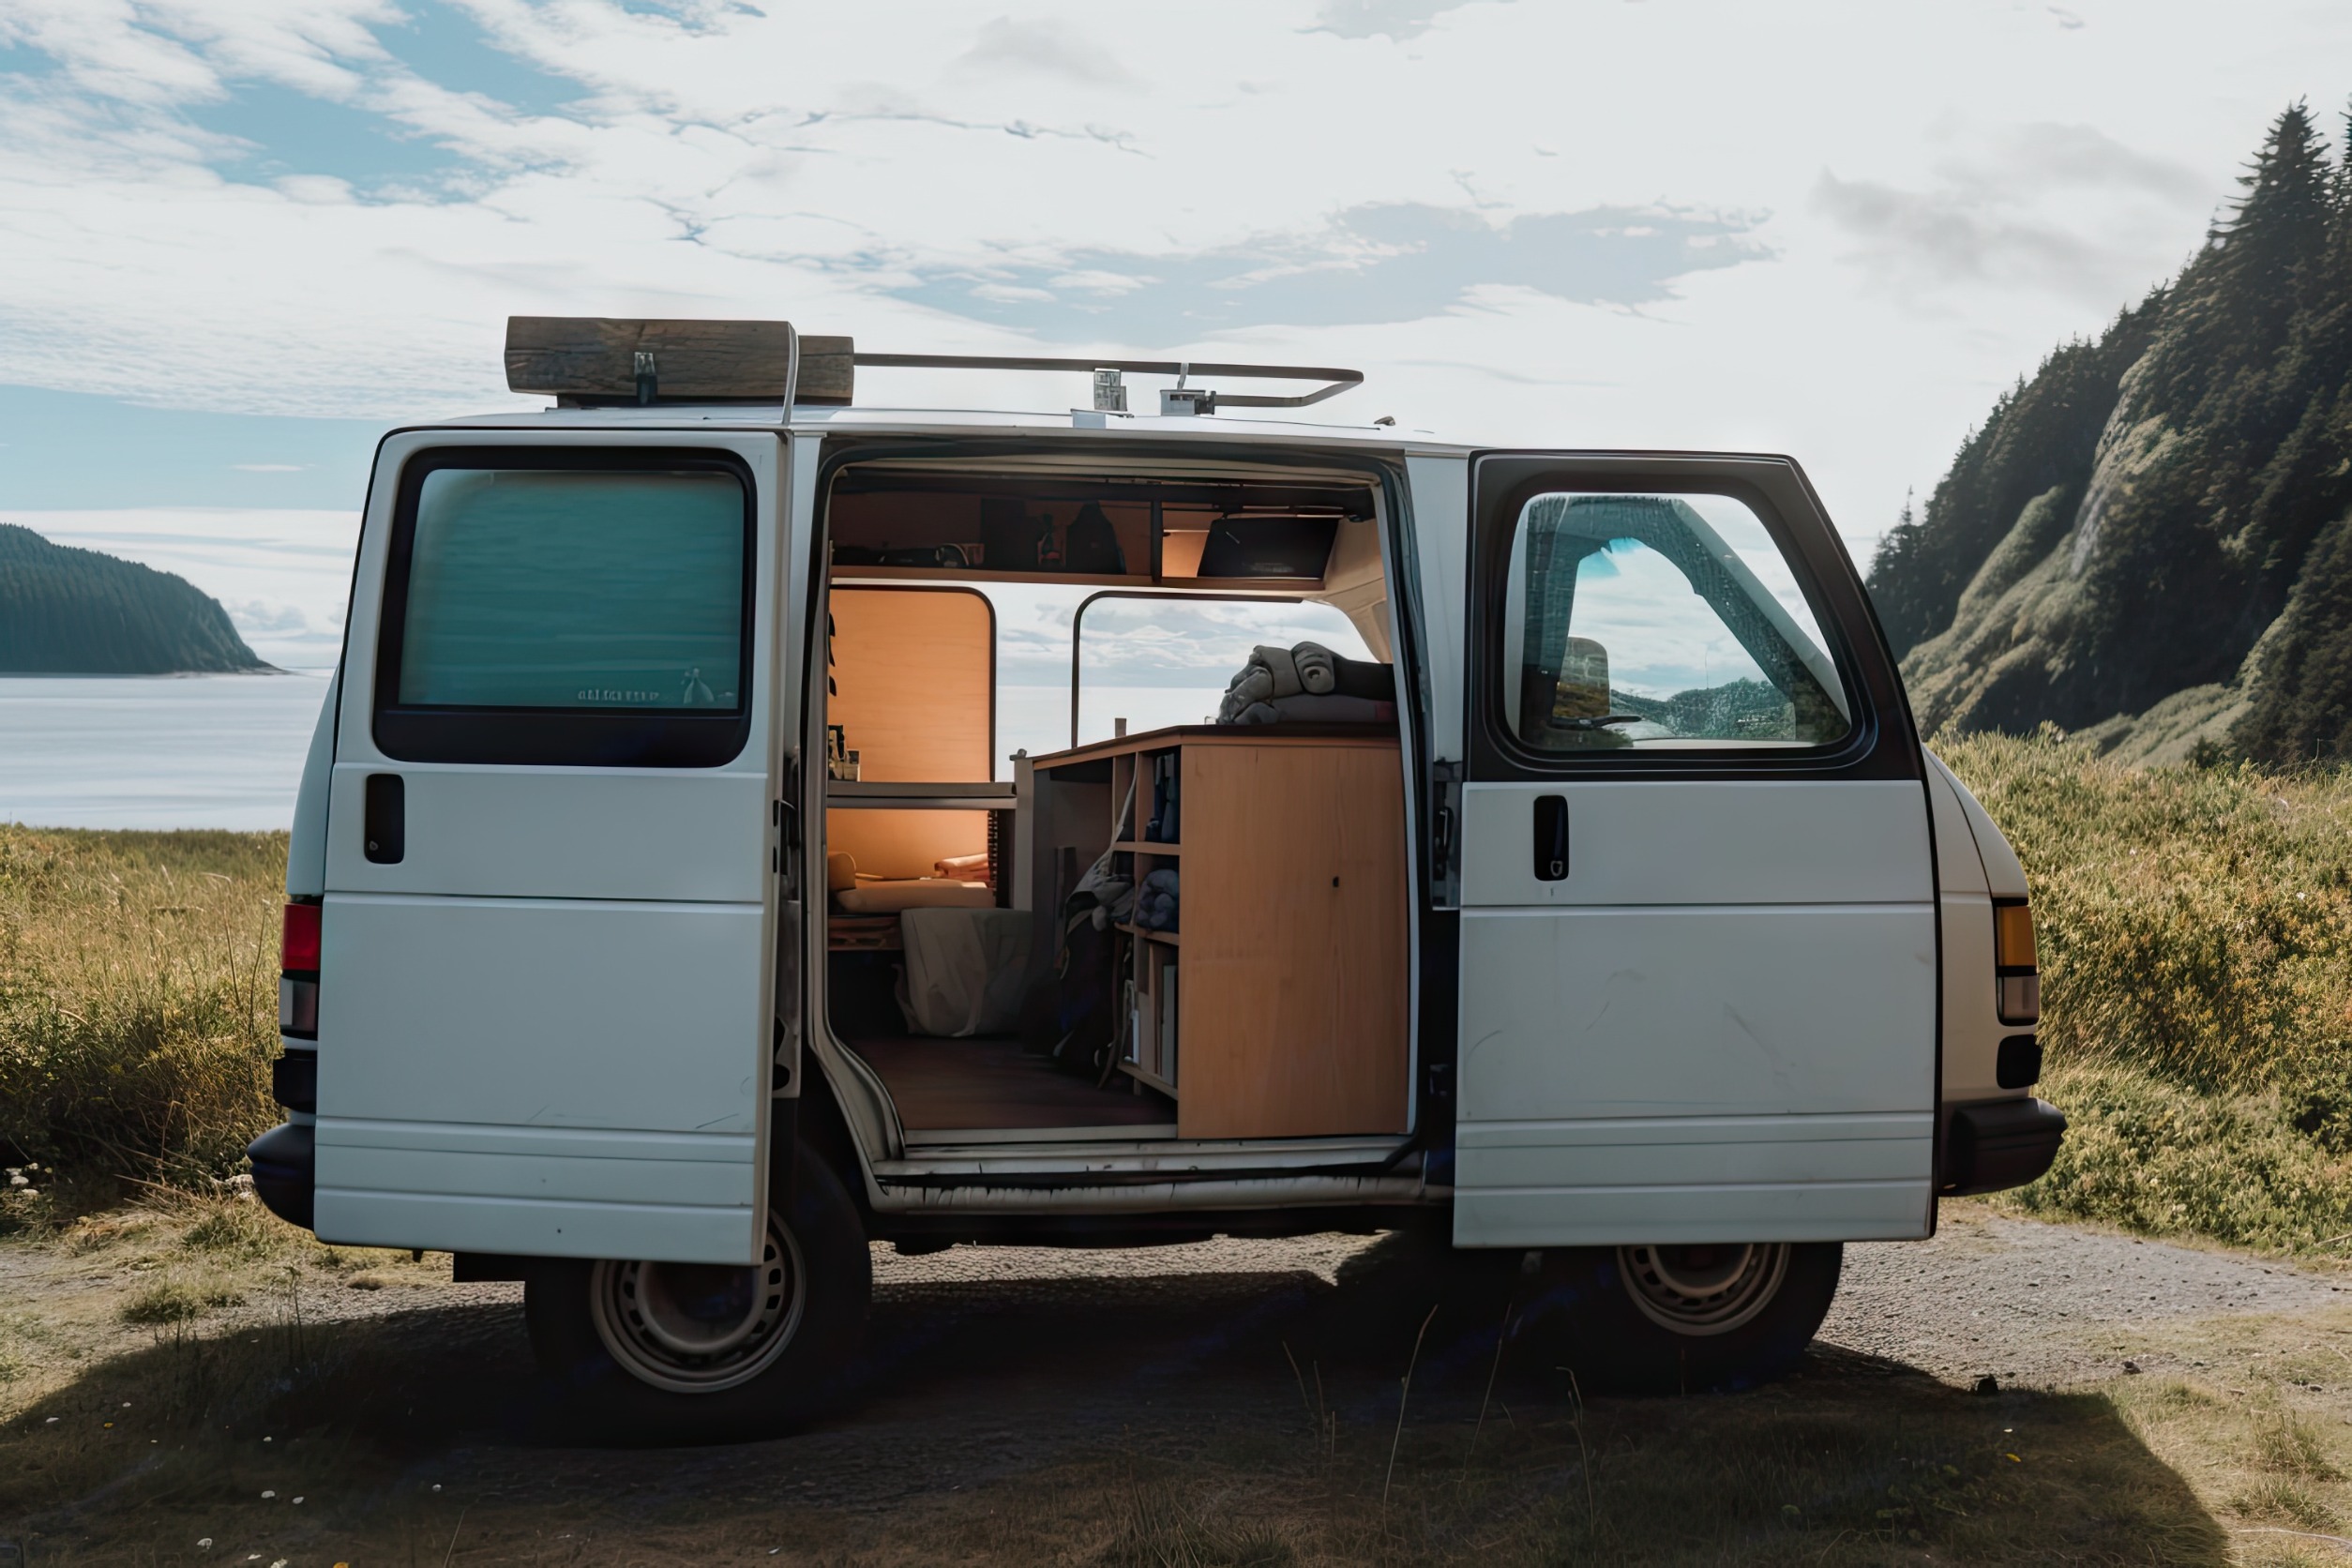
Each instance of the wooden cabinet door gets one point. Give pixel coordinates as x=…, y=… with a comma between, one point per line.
x=1293, y=1010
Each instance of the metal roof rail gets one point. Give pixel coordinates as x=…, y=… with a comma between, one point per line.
x=1179, y=400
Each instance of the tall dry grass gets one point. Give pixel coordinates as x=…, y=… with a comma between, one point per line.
x=2196, y=945
x=138, y=1000
x=2196, y=933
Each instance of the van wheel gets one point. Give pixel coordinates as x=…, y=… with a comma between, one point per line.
x=1680, y=1319
x=667, y=1352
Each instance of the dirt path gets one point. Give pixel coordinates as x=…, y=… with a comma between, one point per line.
x=991, y=1365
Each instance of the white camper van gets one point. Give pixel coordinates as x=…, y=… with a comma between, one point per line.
x=1528, y=848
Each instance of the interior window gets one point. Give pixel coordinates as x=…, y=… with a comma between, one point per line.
x=1157, y=662
x=554, y=589
x=1660, y=621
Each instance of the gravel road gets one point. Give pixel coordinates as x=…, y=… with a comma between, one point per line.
x=2045, y=1305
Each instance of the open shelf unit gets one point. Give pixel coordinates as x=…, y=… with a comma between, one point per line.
x=1278, y=1006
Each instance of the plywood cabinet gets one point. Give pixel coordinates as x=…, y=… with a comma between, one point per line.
x=1290, y=953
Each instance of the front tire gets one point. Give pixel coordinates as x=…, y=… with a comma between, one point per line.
x=667, y=1353
x=1678, y=1319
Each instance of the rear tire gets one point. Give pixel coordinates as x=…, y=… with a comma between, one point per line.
x=1677, y=1319
x=667, y=1352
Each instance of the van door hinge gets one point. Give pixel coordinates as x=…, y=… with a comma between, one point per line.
x=1445, y=834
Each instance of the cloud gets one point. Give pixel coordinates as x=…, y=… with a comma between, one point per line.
x=1396, y=20
x=1047, y=49
x=1384, y=262
x=2059, y=207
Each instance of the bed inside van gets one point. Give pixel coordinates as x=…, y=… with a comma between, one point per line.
x=1113, y=803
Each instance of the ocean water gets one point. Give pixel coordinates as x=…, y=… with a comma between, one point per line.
x=165, y=752
x=156, y=751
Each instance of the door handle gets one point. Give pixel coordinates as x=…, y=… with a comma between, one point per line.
x=385, y=822
x=1551, y=837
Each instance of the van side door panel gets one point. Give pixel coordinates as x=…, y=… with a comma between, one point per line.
x=1717, y=1021
x=546, y=1025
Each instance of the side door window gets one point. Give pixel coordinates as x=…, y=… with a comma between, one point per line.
x=1655, y=623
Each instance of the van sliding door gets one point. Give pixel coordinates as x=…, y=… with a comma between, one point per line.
x=1698, y=933
x=545, y=1024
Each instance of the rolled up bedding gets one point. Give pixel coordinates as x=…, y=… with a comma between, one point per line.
x=1307, y=683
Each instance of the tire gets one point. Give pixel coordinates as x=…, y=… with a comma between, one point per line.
x=657, y=1353
x=1676, y=1319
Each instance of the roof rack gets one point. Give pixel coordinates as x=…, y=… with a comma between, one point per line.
x=1194, y=400
x=590, y=362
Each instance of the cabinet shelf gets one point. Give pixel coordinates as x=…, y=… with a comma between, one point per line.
x=1174, y=939
x=1146, y=846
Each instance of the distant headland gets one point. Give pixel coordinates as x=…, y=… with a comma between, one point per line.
x=67, y=611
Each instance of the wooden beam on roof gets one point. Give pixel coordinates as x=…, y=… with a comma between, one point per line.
x=595, y=356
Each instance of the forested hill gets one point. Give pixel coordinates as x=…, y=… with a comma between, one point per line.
x=2151, y=538
x=77, y=611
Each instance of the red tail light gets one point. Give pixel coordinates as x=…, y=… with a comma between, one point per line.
x=299, y=950
x=298, y=976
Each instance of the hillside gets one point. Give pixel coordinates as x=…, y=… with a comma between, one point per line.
x=65, y=612
x=2149, y=540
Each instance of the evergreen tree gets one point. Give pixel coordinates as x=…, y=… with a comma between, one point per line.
x=78, y=611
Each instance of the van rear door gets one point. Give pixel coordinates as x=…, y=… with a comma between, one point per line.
x=1698, y=928
x=545, y=1022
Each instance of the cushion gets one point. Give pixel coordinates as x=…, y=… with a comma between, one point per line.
x=923, y=892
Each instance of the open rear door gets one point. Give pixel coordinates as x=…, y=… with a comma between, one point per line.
x=544, y=1022
x=1698, y=928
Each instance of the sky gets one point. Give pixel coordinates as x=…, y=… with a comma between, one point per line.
x=239, y=237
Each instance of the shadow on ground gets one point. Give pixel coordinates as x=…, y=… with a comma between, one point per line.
x=1247, y=1417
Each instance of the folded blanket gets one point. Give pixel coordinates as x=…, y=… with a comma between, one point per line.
x=963, y=868
x=1155, y=902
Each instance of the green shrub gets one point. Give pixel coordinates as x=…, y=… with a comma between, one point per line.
x=2196, y=933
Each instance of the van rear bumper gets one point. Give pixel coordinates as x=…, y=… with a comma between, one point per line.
x=286, y=1171
x=1995, y=1144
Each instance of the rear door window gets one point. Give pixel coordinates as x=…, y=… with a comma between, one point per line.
x=586, y=608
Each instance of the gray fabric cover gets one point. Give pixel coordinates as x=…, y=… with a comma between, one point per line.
x=965, y=969
x=1302, y=709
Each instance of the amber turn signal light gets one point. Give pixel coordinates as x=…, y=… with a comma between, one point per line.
x=2019, y=983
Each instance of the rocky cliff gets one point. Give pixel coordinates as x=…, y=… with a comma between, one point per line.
x=2151, y=539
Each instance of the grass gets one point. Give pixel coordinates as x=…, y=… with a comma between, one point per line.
x=2195, y=934
x=137, y=1003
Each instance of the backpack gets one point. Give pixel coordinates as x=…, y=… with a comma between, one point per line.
x=1091, y=545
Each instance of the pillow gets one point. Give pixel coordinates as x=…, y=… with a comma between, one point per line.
x=922, y=893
